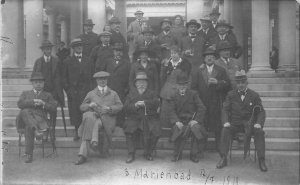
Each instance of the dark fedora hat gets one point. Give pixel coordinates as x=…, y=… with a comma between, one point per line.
x=141, y=76
x=210, y=51
x=165, y=20
x=46, y=44
x=205, y=19
x=223, y=23
x=147, y=29
x=138, y=12
x=240, y=75
x=137, y=53
x=118, y=46
x=182, y=78
x=101, y=74
x=88, y=22
x=76, y=42
x=224, y=45
x=105, y=33
x=193, y=22
x=114, y=20
x=37, y=76
x=215, y=11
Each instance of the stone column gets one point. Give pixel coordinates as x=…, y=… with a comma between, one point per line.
x=13, y=45
x=120, y=12
x=287, y=35
x=227, y=10
x=221, y=10
x=76, y=18
x=194, y=9
x=97, y=12
x=260, y=35
x=33, y=15
x=52, y=28
x=64, y=31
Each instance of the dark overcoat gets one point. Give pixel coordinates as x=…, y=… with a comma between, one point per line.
x=170, y=39
x=211, y=33
x=117, y=37
x=89, y=42
x=154, y=48
x=184, y=109
x=151, y=72
x=137, y=117
x=56, y=78
x=197, y=46
x=211, y=95
x=77, y=83
x=100, y=56
x=35, y=116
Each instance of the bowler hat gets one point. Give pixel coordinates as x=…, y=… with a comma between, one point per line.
x=105, y=33
x=193, y=22
x=206, y=19
x=182, y=78
x=141, y=76
x=224, y=45
x=37, y=76
x=46, y=44
x=76, y=42
x=240, y=75
x=165, y=20
x=138, y=12
x=118, y=46
x=147, y=29
x=223, y=23
x=88, y=22
x=114, y=20
x=210, y=51
x=101, y=74
x=137, y=53
x=215, y=11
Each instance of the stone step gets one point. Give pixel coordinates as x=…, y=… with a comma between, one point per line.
x=275, y=87
x=278, y=93
x=274, y=80
x=277, y=144
x=272, y=74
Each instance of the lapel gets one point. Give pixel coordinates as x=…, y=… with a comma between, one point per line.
x=214, y=72
x=54, y=64
x=204, y=74
x=117, y=65
x=182, y=100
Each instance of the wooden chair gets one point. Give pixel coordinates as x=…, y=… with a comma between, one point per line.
x=237, y=138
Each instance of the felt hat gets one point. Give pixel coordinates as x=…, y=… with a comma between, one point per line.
x=88, y=22
x=37, y=76
x=101, y=74
x=193, y=22
x=240, y=75
x=46, y=44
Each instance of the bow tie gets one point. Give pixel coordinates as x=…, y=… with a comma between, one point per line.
x=242, y=93
x=193, y=36
x=78, y=56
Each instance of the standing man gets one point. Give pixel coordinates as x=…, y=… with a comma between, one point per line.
x=62, y=52
x=212, y=84
x=166, y=38
x=187, y=115
x=119, y=69
x=141, y=116
x=192, y=45
x=77, y=81
x=116, y=36
x=214, y=17
x=89, y=38
x=206, y=31
x=102, y=52
x=51, y=67
x=35, y=105
x=243, y=112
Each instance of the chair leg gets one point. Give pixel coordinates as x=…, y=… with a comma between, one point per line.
x=43, y=147
x=20, y=136
x=230, y=148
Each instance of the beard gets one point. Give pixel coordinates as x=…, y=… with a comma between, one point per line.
x=141, y=90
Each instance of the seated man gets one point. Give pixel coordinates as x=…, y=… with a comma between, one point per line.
x=100, y=107
x=34, y=105
x=239, y=115
x=187, y=115
x=141, y=116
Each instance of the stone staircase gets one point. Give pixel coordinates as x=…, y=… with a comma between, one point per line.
x=280, y=95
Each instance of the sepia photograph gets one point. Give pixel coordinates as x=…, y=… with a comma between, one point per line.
x=150, y=92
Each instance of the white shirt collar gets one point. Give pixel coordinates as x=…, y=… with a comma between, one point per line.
x=78, y=55
x=102, y=88
x=225, y=61
x=36, y=92
x=175, y=64
x=210, y=68
x=166, y=33
x=45, y=58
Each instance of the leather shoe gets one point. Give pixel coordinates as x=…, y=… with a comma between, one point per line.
x=194, y=159
x=150, y=158
x=222, y=163
x=81, y=160
x=262, y=165
x=94, y=146
x=38, y=135
x=28, y=159
x=130, y=158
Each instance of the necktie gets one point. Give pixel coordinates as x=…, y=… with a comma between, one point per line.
x=242, y=93
x=47, y=59
x=102, y=91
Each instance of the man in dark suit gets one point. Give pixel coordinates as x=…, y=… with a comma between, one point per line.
x=225, y=33
x=35, y=105
x=240, y=115
x=102, y=52
x=192, y=45
x=51, y=67
x=141, y=118
x=206, y=31
x=135, y=27
x=77, y=81
x=116, y=36
x=212, y=84
x=166, y=38
x=88, y=37
x=214, y=17
x=62, y=52
x=187, y=115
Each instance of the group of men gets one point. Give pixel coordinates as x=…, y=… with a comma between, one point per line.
x=216, y=88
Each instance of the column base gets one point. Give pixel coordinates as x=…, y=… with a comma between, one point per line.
x=261, y=69
x=287, y=67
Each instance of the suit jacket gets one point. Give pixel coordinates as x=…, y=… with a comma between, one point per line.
x=63, y=53
x=236, y=51
x=25, y=102
x=169, y=39
x=179, y=31
x=209, y=36
x=89, y=42
x=117, y=37
x=238, y=112
x=211, y=95
x=133, y=30
x=57, y=91
x=184, y=109
x=119, y=76
x=197, y=46
x=153, y=46
x=99, y=57
x=135, y=117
